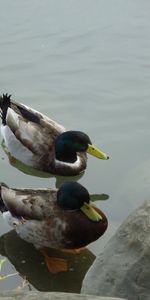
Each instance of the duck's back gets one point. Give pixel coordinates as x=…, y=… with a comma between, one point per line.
x=28, y=134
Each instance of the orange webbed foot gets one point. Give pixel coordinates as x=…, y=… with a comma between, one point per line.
x=55, y=265
x=73, y=251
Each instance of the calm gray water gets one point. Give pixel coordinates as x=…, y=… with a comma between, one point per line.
x=86, y=64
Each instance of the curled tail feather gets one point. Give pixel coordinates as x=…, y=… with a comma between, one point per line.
x=5, y=102
x=2, y=205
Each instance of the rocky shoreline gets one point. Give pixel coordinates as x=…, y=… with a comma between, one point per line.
x=8, y=295
x=123, y=267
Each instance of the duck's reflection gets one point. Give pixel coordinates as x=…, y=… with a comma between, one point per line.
x=59, y=179
x=30, y=264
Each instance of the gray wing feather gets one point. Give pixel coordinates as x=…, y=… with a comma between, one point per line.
x=31, y=204
x=35, y=137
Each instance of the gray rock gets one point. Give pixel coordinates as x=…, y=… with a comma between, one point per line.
x=49, y=296
x=123, y=268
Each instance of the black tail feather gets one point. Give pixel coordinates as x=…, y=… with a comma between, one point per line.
x=5, y=102
x=2, y=205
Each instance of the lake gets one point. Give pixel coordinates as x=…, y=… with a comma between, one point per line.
x=85, y=64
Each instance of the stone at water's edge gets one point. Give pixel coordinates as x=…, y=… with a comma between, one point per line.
x=49, y=296
x=123, y=268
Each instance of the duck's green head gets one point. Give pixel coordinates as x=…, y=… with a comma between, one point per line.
x=70, y=142
x=73, y=196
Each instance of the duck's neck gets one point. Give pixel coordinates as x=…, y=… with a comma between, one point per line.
x=71, y=169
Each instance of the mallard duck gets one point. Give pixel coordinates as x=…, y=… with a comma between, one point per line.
x=40, y=142
x=61, y=218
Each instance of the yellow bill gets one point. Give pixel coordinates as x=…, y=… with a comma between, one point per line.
x=96, y=152
x=90, y=212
